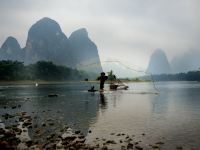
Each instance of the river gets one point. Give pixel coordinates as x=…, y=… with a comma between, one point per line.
x=170, y=115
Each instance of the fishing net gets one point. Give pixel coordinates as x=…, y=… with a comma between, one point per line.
x=127, y=77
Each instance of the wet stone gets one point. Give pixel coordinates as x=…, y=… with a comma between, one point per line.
x=179, y=147
x=160, y=143
x=111, y=142
x=128, y=141
x=6, y=116
x=23, y=113
x=49, y=137
x=2, y=131
x=51, y=146
x=77, y=131
x=43, y=124
x=81, y=136
x=25, y=124
x=136, y=143
x=80, y=140
x=138, y=147
x=22, y=146
x=59, y=146
x=97, y=145
x=49, y=119
x=14, y=107
x=130, y=146
x=30, y=126
x=51, y=124
x=38, y=131
x=35, y=126
x=72, y=148
x=29, y=143
x=155, y=146
x=123, y=147
x=18, y=131
x=91, y=147
x=70, y=138
x=9, y=134
x=104, y=148
x=53, y=95
x=65, y=142
x=97, y=138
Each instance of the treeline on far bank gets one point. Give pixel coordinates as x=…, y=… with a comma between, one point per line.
x=189, y=76
x=42, y=70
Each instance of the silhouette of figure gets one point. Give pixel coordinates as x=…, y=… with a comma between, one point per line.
x=92, y=89
x=102, y=79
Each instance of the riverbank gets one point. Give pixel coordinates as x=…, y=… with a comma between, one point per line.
x=34, y=82
x=109, y=120
x=16, y=136
x=43, y=82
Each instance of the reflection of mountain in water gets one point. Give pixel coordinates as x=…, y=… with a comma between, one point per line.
x=73, y=106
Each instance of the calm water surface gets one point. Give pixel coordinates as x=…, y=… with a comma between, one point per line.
x=172, y=116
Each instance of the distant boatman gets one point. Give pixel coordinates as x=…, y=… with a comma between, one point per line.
x=102, y=79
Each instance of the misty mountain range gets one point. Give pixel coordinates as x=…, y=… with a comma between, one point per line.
x=159, y=63
x=46, y=41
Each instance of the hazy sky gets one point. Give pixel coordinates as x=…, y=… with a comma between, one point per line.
x=122, y=29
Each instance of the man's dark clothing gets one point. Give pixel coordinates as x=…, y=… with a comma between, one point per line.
x=102, y=79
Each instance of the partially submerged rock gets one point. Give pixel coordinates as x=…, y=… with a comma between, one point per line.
x=53, y=95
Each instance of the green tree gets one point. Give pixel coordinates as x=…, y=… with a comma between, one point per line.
x=111, y=76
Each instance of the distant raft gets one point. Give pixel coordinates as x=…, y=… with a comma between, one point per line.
x=118, y=87
x=92, y=89
x=53, y=95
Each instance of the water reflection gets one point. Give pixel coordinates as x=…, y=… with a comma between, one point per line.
x=160, y=104
x=73, y=106
x=103, y=101
x=173, y=114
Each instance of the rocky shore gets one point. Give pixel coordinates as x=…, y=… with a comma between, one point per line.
x=15, y=135
x=21, y=130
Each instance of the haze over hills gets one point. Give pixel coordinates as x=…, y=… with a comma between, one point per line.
x=159, y=63
x=11, y=50
x=84, y=51
x=186, y=62
x=46, y=41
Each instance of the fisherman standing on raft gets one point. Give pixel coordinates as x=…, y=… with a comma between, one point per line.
x=102, y=79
